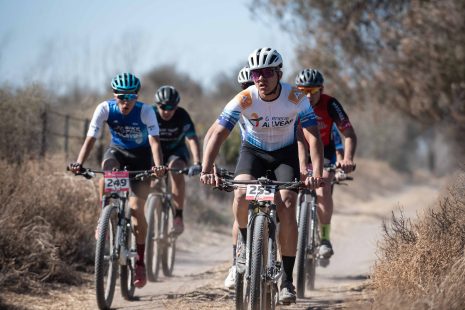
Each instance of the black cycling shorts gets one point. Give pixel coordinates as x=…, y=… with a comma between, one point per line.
x=180, y=152
x=282, y=164
x=131, y=159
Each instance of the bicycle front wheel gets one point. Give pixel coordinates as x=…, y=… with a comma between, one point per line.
x=302, y=241
x=152, y=242
x=314, y=241
x=127, y=272
x=168, y=253
x=106, y=257
x=258, y=264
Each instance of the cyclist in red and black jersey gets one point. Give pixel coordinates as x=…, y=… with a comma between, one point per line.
x=176, y=128
x=328, y=111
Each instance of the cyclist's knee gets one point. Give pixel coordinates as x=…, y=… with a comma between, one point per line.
x=177, y=163
x=110, y=164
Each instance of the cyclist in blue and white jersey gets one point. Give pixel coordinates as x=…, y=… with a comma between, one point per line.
x=176, y=128
x=271, y=112
x=134, y=144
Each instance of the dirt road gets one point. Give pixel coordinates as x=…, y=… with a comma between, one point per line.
x=200, y=270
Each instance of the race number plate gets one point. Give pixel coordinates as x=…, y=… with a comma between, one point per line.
x=116, y=181
x=260, y=192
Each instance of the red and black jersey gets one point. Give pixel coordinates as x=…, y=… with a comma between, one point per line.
x=328, y=111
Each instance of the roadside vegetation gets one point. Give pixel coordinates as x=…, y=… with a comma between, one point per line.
x=421, y=262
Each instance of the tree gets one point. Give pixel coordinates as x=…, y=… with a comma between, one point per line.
x=408, y=55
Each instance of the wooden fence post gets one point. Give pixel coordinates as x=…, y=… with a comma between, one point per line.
x=66, y=135
x=43, y=142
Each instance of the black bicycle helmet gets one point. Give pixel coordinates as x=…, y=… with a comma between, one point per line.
x=309, y=78
x=167, y=95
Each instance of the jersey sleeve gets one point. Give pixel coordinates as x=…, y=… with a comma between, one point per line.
x=149, y=118
x=306, y=116
x=101, y=114
x=188, y=126
x=338, y=114
x=233, y=110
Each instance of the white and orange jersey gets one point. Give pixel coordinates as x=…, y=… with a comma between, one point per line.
x=269, y=125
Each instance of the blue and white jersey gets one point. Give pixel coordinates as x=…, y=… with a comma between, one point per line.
x=127, y=131
x=269, y=125
x=337, y=138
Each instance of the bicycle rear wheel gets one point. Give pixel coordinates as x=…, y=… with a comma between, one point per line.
x=303, y=232
x=106, y=260
x=152, y=242
x=258, y=264
x=168, y=254
x=127, y=272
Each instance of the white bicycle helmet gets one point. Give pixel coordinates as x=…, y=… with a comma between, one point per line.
x=265, y=57
x=244, y=76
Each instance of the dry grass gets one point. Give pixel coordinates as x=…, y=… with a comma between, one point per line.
x=46, y=226
x=421, y=264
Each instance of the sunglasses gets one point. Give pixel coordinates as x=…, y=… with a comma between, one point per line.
x=126, y=96
x=167, y=107
x=310, y=90
x=265, y=72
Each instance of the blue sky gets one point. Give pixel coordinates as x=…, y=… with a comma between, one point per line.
x=60, y=42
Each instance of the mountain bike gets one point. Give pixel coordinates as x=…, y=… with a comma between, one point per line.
x=115, y=246
x=160, y=244
x=308, y=242
x=262, y=268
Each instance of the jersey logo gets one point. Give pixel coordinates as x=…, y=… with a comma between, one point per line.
x=295, y=95
x=255, y=119
x=244, y=99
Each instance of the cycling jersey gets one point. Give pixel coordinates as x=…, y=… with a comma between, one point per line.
x=328, y=111
x=127, y=131
x=336, y=137
x=269, y=125
x=174, y=131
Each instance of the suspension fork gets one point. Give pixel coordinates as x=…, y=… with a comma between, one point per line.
x=274, y=271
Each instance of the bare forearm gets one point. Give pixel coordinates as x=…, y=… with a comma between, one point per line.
x=85, y=149
x=312, y=135
x=155, y=146
x=350, y=144
x=216, y=139
x=194, y=146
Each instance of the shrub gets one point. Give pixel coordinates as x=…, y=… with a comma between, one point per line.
x=421, y=264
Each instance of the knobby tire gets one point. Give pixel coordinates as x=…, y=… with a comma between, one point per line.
x=152, y=242
x=302, y=240
x=106, y=264
x=168, y=253
x=258, y=262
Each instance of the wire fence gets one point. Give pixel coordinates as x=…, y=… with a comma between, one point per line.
x=65, y=133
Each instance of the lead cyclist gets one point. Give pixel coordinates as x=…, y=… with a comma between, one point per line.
x=271, y=112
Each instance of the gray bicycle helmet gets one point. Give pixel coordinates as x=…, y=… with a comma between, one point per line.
x=167, y=95
x=244, y=76
x=125, y=82
x=309, y=78
x=265, y=57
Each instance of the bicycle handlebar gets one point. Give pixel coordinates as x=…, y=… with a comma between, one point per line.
x=89, y=173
